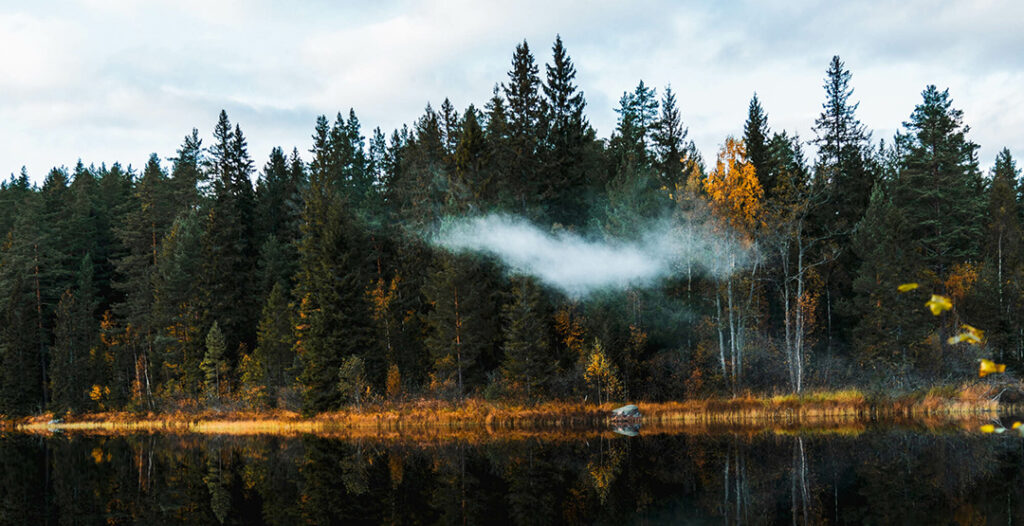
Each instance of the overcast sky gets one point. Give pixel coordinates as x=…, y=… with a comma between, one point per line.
x=114, y=80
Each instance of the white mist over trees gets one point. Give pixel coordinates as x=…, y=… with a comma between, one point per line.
x=580, y=266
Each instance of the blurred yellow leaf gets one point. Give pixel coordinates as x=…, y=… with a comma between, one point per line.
x=988, y=367
x=907, y=287
x=970, y=335
x=938, y=304
x=987, y=428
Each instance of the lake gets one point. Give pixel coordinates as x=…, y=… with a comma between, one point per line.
x=913, y=473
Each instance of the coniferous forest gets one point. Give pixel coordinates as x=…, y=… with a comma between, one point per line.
x=306, y=281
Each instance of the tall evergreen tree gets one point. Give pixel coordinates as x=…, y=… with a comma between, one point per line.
x=275, y=348
x=673, y=153
x=940, y=189
x=844, y=168
x=214, y=365
x=528, y=365
x=1003, y=271
x=75, y=335
x=638, y=113
x=526, y=128
x=460, y=324
x=186, y=173
x=24, y=265
x=756, y=136
x=567, y=161
x=334, y=272
x=229, y=251
x=147, y=220
x=178, y=307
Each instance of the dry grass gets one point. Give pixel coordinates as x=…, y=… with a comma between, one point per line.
x=432, y=418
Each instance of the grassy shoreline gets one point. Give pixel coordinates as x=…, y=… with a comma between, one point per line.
x=441, y=417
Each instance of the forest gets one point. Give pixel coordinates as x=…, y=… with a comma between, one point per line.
x=204, y=280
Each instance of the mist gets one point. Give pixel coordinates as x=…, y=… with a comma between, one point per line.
x=579, y=266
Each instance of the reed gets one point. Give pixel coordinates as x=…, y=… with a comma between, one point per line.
x=474, y=415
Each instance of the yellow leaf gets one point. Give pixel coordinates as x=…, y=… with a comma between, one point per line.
x=1015, y=425
x=988, y=367
x=907, y=287
x=938, y=304
x=987, y=428
x=970, y=335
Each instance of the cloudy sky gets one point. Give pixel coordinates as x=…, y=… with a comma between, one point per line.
x=114, y=80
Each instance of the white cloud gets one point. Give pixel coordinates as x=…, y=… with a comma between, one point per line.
x=113, y=80
x=39, y=53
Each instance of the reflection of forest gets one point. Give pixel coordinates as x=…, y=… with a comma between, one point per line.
x=879, y=476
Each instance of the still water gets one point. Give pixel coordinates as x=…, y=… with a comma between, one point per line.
x=860, y=474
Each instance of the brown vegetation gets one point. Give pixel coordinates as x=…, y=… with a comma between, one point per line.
x=474, y=416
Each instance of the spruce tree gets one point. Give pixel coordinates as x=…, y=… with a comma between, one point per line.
x=460, y=324
x=228, y=250
x=672, y=151
x=756, y=136
x=569, y=142
x=145, y=223
x=214, y=365
x=334, y=271
x=844, y=168
x=23, y=268
x=177, y=307
x=1003, y=270
x=528, y=365
x=75, y=334
x=940, y=188
x=275, y=348
x=472, y=184
x=187, y=174
x=526, y=128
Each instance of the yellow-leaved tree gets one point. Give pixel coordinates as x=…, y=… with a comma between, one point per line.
x=736, y=200
x=736, y=195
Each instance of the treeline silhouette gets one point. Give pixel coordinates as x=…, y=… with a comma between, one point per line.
x=184, y=285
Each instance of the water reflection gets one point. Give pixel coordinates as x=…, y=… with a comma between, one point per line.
x=879, y=475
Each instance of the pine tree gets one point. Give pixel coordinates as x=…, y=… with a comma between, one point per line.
x=22, y=345
x=186, y=173
x=638, y=113
x=148, y=218
x=334, y=317
x=843, y=166
x=569, y=142
x=1004, y=263
x=177, y=307
x=891, y=327
x=471, y=184
x=756, y=136
x=671, y=149
x=214, y=365
x=277, y=197
x=75, y=334
x=460, y=324
x=526, y=126
x=633, y=186
x=940, y=187
x=275, y=348
x=528, y=365
x=499, y=152
x=229, y=253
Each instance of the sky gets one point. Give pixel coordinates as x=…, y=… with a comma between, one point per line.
x=115, y=80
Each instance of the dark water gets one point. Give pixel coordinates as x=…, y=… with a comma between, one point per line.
x=865, y=476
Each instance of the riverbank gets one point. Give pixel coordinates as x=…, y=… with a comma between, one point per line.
x=818, y=408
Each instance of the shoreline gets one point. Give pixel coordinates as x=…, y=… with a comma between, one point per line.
x=437, y=418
